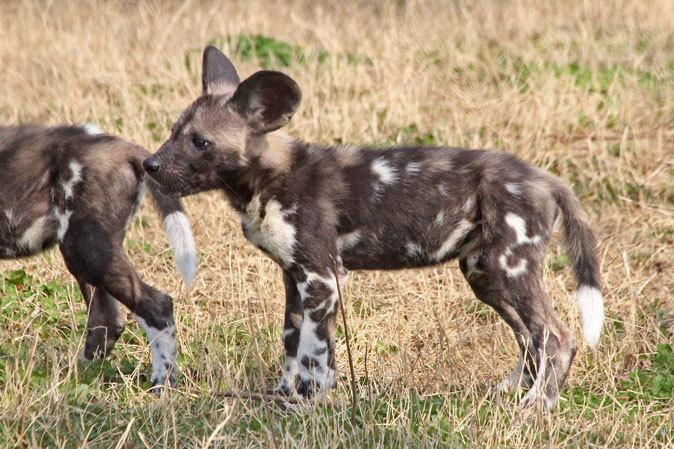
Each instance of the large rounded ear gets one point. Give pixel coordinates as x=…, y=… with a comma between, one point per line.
x=267, y=100
x=219, y=76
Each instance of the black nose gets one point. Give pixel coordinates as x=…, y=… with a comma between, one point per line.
x=151, y=164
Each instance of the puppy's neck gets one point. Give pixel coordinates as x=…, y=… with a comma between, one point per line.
x=271, y=152
x=270, y=158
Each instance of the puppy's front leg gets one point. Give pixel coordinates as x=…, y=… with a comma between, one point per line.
x=291, y=336
x=316, y=350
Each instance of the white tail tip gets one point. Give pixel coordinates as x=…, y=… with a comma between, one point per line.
x=591, y=305
x=180, y=236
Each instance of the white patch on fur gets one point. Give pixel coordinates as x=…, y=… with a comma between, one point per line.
x=180, y=236
x=443, y=189
x=9, y=215
x=591, y=305
x=75, y=177
x=515, y=188
x=440, y=218
x=287, y=333
x=92, y=129
x=515, y=271
x=38, y=231
x=329, y=281
x=347, y=241
x=471, y=264
x=309, y=342
x=63, y=219
x=458, y=233
x=291, y=370
x=413, y=168
x=413, y=249
x=520, y=226
x=468, y=205
x=163, y=348
x=140, y=193
x=273, y=233
x=323, y=375
x=383, y=169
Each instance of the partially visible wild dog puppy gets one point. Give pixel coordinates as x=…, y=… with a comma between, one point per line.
x=75, y=186
x=390, y=208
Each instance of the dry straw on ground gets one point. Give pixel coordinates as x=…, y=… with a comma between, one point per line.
x=584, y=89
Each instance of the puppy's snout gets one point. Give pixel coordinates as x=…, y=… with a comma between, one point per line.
x=151, y=164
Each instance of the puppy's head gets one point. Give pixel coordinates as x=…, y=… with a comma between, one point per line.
x=212, y=139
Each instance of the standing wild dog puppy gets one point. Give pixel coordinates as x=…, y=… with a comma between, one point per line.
x=389, y=208
x=75, y=186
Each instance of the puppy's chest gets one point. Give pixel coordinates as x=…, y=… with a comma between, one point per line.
x=268, y=226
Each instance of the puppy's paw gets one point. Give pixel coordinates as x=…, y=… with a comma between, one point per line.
x=161, y=382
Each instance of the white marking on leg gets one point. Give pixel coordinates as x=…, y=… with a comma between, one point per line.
x=520, y=227
x=34, y=237
x=287, y=333
x=309, y=344
x=291, y=371
x=75, y=177
x=457, y=234
x=518, y=224
x=63, y=219
x=591, y=305
x=179, y=233
x=163, y=349
x=383, y=169
x=92, y=129
x=330, y=282
x=347, y=241
x=515, y=271
x=312, y=347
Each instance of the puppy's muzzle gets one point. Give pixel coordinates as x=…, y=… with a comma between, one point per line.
x=151, y=165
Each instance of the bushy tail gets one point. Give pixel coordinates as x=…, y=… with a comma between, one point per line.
x=582, y=251
x=178, y=231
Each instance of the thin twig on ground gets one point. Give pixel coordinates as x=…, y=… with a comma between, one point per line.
x=348, y=347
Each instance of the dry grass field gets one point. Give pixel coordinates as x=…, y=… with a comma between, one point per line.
x=583, y=89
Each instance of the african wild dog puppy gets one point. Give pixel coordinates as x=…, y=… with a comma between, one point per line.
x=389, y=208
x=75, y=186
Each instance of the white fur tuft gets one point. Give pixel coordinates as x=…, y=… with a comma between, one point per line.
x=92, y=129
x=180, y=236
x=591, y=305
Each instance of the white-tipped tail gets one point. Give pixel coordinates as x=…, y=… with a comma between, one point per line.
x=180, y=236
x=591, y=305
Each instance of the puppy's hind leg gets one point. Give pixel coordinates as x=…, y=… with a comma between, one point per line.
x=484, y=289
x=100, y=261
x=105, y=323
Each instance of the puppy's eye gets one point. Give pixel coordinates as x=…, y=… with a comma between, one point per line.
x=200, y=143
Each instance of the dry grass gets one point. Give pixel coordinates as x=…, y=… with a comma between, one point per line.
x=584, y=89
